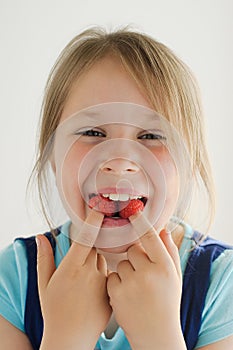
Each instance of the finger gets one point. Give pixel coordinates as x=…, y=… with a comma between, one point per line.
x=91, y=259
x=149, y=238
x=88, y=233
x=124, y=269
x=172, y=249
x=109, y=272
x=112, y=283
x=102, y=264
x=45, y=262
x=137, y=256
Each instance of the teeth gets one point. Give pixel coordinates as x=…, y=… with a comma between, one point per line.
x=134, y=197
x=114, y=196
x=123, y=197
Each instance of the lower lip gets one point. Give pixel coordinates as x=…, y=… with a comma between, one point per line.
x=109, y=222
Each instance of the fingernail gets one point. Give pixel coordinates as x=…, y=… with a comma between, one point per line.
x=38, y=241
x=166, y=228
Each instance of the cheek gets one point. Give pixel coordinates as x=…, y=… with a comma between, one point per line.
x=171, y=179
x=168, y=196
x=69, y=189
x=169, y=169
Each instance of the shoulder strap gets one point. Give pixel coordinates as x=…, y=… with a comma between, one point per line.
x=33, y=320
x=196, y=282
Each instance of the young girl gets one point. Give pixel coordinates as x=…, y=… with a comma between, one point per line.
x=122, y=132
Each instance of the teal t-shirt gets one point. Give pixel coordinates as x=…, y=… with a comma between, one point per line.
x=217, y=317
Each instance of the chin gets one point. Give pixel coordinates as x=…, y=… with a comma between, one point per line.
x=118, y=250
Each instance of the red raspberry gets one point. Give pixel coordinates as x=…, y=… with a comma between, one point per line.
x=94, y=201
x=130, y=208
x=104, y=205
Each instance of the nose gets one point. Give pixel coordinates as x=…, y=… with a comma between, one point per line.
x=119, y=166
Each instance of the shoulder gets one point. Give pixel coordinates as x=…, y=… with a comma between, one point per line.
x=206, y=252
x=13, y=283
x=17, y=262
x=12, y=258
x=217, y=316
x=221, y=274
x=213, y=259
x=221, y=256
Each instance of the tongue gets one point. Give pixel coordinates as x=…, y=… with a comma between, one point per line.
x=115, y=208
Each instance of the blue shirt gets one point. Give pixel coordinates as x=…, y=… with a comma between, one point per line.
x=217, y=317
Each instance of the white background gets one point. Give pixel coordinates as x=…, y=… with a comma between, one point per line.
x=32, y=34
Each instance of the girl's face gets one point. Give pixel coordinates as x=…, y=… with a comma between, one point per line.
x=116, y=153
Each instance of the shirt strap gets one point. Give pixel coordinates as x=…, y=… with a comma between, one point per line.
x=33, y=320
x=196, y=282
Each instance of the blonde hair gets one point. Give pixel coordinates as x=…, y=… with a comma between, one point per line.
x=164, y=79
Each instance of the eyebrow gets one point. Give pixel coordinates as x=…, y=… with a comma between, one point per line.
x=139, y=117
x=92, y=116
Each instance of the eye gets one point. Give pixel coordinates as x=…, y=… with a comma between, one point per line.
x=151, y=136
x=90, y=133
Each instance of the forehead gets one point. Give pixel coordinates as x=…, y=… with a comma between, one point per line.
x=106, y=81
x=115, y=113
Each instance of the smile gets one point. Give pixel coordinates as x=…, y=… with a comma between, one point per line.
x=117, y=206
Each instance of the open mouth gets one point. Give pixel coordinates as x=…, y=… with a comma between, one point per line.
x=116, y=205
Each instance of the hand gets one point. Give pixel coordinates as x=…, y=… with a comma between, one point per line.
x=145, y=292
x=74, y=300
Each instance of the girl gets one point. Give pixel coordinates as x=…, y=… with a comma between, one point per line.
x=122, y=132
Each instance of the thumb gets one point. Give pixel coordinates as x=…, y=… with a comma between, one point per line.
x=45, y=262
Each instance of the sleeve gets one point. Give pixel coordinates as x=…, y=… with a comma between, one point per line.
x=217, y=317
x=13, y=283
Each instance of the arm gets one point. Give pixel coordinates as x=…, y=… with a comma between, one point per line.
x=12, y=337
x=225, y=344
x=217, y=319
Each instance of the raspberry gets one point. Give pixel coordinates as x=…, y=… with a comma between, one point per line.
x=131, y=208
x=104, y=205
x=94, y=201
